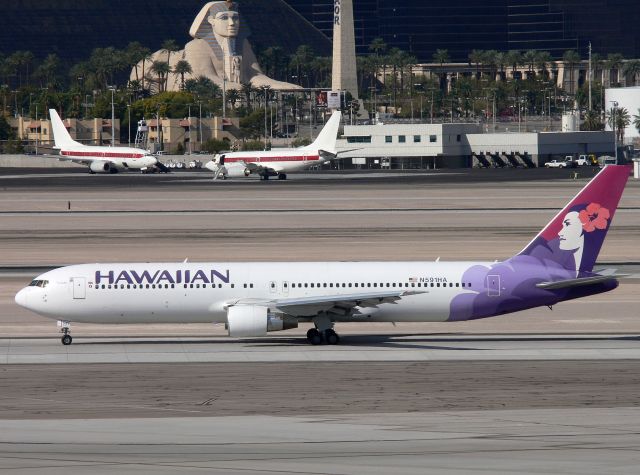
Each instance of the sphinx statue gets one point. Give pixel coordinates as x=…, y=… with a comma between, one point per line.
x=219, y=51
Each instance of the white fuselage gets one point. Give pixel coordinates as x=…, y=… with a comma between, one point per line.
x=201, y=292
x=277, y=160
x=120, y=157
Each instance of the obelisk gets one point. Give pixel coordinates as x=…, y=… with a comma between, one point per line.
x=344, y=75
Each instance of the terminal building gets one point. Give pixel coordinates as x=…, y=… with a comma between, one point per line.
x=463, y=145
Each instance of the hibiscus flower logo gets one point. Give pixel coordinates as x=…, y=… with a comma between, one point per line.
x=594, y=217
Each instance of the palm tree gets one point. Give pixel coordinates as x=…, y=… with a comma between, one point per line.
x=542, y=60
x=379, y=47
x=182, y=67
x=476, y=57
x=441, y=56
x=513, y=58
x=47, y=71
x=619, y=119
x=571, y=58
x=162, y=70
x=614, y=62
x=636, y=121
x=632, y=69
x=592, y=121
x=529, y=58
x=247, y=89
x=134, y=54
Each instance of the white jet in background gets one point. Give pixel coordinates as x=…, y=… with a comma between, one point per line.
x=100, y=159
x=279, y=162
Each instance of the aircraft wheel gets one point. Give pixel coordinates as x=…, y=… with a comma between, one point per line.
x=314, y=337
x=282, y=176
x=331, y=337
x=66, y=340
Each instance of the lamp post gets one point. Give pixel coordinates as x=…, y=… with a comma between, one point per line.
x=615, y=135
x=432, y=91
x=200, y=124
x=129, y=122
x=113, y=116
x=37, y=129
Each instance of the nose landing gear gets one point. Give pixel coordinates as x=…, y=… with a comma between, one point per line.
x=65, y=329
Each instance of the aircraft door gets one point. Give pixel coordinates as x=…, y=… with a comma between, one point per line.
x=79, y=288
x=493, y=286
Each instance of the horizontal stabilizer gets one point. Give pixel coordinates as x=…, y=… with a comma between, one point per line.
x=565, y=284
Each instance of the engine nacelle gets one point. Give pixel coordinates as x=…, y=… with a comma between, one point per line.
x=236, y=170
x=101, y=167
x=255, y=320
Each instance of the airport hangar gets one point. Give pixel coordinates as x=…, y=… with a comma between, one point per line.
x=456, y=145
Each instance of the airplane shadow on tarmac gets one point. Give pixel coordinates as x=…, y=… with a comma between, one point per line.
x=399, y=341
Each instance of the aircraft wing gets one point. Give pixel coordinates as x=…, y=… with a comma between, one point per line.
x=326, y=154
x=341, y=305
x=569, y=283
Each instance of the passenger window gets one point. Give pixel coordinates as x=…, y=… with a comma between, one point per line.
x=233, y=286
x=312, y=285
x=251, y=286
x=431, y=284
x=433, y=138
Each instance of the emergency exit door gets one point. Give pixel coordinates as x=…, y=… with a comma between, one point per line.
x=79, y=289
x=493, y=286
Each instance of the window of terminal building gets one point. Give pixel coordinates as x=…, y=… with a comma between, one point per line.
x=433, y=138
x=417, y=139
x=366, y=139
x=402, y=138
x=388, y=139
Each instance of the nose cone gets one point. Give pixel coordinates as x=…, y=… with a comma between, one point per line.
x=21, y=298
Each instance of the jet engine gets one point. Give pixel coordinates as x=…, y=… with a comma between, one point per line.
x=255, y=320
x=102, y=167
x=236, y=170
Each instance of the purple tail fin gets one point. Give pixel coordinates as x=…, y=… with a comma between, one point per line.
x=574, y=237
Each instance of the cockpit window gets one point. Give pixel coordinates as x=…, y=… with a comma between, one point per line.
x=39, y=283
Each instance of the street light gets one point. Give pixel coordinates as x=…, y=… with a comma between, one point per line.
x=113, y=116
x=615, y=135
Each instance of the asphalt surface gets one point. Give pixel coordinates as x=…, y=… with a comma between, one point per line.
x=538, y=392
x=11, y=178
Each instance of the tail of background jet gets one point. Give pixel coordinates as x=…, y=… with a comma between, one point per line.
x=60, y=134
x=328, y=135
x=573, y=238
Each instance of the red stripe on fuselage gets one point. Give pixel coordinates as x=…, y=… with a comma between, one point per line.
x=101, y=154
x=300, y=158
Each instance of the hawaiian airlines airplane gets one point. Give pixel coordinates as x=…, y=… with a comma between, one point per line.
x=255, y=298
x=100, y=159
x=279, y=162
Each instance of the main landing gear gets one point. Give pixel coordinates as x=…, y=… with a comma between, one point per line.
x=65, y=329
x=316, y=337
x=323, y=332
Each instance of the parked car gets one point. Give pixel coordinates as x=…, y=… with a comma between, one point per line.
x=569, y=163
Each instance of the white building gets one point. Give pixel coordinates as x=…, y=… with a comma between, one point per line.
x=629, y=98
x=464, y=145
